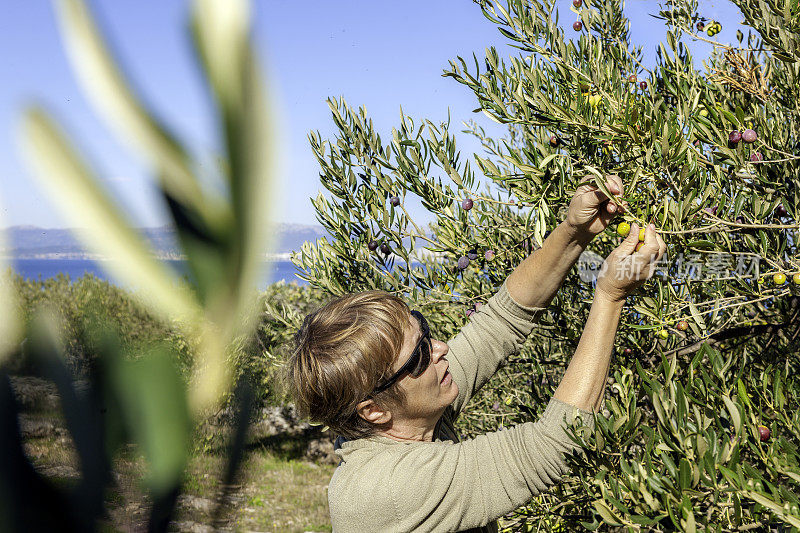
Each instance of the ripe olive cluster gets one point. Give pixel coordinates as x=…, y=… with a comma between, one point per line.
x=749, y=136
x=472, y=255
x=577, y=25
x=385, y=248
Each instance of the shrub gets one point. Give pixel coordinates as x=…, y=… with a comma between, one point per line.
x=80, y=303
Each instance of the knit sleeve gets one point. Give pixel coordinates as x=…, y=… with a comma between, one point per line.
x=453, y=487
x=498, y=329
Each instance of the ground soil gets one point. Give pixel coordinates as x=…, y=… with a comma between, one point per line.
x=282, y=486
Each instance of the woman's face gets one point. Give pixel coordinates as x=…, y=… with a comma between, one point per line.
x=431, y=392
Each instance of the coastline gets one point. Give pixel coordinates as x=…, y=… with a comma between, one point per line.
x=80, y=256
x=34, y=269
x=418, y=256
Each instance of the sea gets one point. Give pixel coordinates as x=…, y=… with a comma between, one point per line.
x=34, y=269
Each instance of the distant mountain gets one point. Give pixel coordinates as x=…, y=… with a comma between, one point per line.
x=292, y=236
x=31, y=242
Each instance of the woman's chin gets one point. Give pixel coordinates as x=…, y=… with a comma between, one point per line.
x=452, y=389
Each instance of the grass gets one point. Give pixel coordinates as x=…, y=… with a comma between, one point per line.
x=277, y=491
x=284, y=495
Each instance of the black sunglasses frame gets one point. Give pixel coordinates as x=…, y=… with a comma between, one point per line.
x=420, y=358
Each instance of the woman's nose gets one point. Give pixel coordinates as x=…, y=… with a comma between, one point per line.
x=440, y=349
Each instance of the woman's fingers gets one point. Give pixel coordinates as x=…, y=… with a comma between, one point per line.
x=596, y=196
x=628, y=245
x=662, y=246
x=618, y=181
x=650, y=253
x=617, y=188
x=650, y=246
x=625, y=269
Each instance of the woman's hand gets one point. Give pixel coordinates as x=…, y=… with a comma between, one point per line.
x=625, y=269
x=591, y=211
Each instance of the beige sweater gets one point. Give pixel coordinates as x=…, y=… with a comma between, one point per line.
x=384, y=485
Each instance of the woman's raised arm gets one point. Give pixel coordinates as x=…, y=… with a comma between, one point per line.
x=623, y=271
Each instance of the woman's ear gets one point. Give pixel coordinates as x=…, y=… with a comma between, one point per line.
x=373, y=413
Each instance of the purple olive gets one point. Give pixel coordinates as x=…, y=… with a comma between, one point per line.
x=749, y=136
x=466, y=204
x=489, y=255
x=373, y=245
x=463, y=262
x=734, y=137
x=554, y=141
x=577, y=3
x=711, y=210
x=643, y=85
x=700, y=26
x=756, y=157
x=577, y=25
x=394, y=200
x=385, y=249
x=781, y=211
x=472, y=254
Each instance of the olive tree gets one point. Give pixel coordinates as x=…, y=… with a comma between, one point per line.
x=700, y=427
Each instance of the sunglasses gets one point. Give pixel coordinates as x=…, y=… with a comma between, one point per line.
x=420, y=358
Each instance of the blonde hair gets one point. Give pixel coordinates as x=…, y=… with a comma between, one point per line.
x=342, y=352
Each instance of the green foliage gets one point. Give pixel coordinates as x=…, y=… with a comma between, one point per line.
x=136, y=393
x=79, y=304
x=662, y=456
x=282, y=304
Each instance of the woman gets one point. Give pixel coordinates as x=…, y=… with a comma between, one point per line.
x=368, y=368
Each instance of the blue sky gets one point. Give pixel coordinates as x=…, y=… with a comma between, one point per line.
x=379, y=54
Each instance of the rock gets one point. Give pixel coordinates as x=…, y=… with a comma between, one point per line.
x=34, y=393
x=193, y=527
x=60, y=471
x=275, y=420
x=321, y=450
x=282, y=422
x=37, y=429
x=195, y=502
